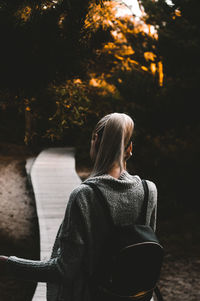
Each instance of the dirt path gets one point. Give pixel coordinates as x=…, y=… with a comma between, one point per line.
x=180, y=279
x=18, y=223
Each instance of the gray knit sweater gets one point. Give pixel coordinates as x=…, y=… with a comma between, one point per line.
x=80, y=237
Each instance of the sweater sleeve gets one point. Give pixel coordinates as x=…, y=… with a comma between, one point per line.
x=72, y=243
x=33, y=270
x=67, y=261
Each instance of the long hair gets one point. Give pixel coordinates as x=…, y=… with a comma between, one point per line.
x=114, y=136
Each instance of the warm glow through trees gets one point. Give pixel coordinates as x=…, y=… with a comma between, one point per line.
x=124, y=29
x=129, y=7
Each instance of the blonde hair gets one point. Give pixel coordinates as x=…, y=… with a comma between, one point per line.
x=114, y=136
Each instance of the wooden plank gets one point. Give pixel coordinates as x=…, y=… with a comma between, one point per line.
x=53, y=178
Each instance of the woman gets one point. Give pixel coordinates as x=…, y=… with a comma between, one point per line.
x=79, y=241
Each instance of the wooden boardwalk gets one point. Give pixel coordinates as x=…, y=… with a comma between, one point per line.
x=53, y=177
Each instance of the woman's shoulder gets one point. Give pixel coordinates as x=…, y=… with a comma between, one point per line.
x=81, y=193
x=138, y=180
x=152, y=193
x=151, y=186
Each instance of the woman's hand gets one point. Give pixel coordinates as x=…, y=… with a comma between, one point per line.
x=3, y=261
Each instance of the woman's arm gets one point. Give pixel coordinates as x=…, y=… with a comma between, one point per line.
x=64, y=265
x=32, y=270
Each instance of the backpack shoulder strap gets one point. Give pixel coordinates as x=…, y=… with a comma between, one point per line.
x=145, y=203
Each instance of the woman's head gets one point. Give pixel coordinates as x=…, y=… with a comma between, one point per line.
x=111, y=142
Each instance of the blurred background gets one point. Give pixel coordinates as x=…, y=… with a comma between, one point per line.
x=64, y=64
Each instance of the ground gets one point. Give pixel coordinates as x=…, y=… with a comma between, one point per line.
x=18, y=219
x=180, y=276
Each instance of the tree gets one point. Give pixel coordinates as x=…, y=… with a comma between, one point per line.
x=178, y=45
x=40, y=45
x=176, y=140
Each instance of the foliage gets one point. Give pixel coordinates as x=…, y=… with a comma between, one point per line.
x=67, y=63
x=173, y=140
x=40, y=48
x=84, y=74
x=39, y=42
x=178, y=45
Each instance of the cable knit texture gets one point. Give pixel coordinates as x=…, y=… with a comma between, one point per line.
x=79, y=240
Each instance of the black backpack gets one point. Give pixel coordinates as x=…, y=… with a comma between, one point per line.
x=131, y=260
